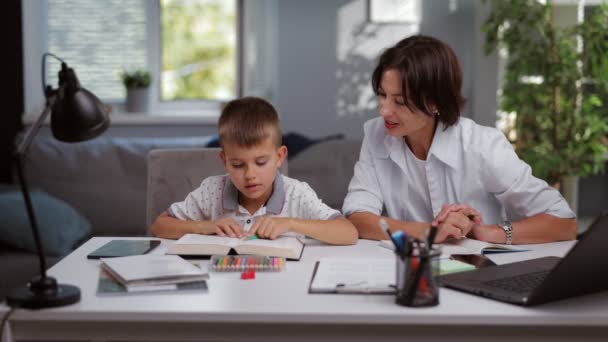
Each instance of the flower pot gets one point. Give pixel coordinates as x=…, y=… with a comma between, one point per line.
x=569, y=189
x=137, y=100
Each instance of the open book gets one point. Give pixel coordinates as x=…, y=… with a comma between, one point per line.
x=289, y=247
x=152, y=270
x=472, y=246
x=467, y=246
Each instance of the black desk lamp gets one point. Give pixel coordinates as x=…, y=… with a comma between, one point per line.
x=76, y=115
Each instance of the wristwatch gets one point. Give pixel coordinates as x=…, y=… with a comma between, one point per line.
x=508, y=228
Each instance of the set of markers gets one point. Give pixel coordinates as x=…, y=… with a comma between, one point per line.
x=239, y=263
x=416, y=282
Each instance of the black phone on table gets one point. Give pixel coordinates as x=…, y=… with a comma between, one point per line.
x=119, y=248
x=474, y=259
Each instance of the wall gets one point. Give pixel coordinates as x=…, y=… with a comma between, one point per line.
x=327, y=51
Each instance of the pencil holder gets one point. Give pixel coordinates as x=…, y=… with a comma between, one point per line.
x=417, y=281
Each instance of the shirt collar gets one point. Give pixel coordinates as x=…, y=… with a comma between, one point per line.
x=274, y=205
x=443, y=146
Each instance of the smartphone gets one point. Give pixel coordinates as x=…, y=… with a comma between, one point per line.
x=475, y=260
x=119, y=248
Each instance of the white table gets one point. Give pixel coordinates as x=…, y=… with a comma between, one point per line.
x=277, y=307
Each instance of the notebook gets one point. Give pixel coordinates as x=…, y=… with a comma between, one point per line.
x=543, y=280
x=148, y=270
x=108, y=285
x=120, y=248
x=289, y=247
x=467, y=246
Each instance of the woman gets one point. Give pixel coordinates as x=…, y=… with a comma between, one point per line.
x=424, y=164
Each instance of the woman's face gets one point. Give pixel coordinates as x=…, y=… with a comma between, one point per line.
x=399, y=120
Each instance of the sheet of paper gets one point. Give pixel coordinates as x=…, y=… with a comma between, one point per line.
x=355, y=273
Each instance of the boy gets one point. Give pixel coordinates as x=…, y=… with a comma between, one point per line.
x=253, y=198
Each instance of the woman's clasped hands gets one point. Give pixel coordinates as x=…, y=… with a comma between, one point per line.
x=456, y=221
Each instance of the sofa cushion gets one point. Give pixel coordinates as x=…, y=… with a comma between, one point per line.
x=328, y=168
x=61, y=227
x=105, y=178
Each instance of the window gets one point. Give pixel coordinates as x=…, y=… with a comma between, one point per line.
x=189, y=46
x=86, y=35
x=198, y=50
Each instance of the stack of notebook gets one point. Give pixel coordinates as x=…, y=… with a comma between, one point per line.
x=142, y=273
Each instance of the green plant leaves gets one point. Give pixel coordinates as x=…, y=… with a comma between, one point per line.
x=556, y=90
x=136, y=79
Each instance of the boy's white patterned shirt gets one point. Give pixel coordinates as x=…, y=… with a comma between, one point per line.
x=217, y=197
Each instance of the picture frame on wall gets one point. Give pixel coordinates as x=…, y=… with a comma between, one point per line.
x=394, y=11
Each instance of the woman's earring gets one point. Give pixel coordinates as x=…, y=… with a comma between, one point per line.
x=436, y=112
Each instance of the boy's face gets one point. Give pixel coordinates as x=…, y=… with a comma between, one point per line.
x=253, y=169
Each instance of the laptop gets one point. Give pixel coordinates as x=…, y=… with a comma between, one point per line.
x=543, y=280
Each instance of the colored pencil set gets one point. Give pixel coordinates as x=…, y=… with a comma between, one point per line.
x=239, y=263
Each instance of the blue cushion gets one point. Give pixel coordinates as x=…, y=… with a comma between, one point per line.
x=61, y=227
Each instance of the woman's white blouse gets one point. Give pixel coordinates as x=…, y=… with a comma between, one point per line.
x=467, y=163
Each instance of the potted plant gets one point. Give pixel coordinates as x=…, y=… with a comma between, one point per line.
x=137, y=84
x=555, y=88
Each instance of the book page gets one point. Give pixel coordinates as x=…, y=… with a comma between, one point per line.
x=284, y=246
x=354, y=275
x=285, y=242
x=465, y=247
x=193, y=239
x=472, y=246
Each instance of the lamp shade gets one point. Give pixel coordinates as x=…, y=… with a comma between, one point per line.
x=77, y=114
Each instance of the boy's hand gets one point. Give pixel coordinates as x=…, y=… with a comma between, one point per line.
x=227, y=227
x=269, y=227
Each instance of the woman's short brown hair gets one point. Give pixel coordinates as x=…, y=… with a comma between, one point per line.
x=248, y=121
x=430, y=76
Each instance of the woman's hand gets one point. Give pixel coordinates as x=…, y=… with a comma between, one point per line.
x=456, y=221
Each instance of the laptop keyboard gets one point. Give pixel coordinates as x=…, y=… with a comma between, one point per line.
x=523, y=283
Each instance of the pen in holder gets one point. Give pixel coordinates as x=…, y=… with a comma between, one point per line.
x=417, y=284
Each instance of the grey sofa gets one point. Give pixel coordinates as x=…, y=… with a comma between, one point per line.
x=106, y=181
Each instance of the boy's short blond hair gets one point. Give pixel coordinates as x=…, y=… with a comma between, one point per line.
x=248, y=121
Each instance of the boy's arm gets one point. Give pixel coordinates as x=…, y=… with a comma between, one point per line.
x=169, y=227
x=338, y=231
x=317, y=220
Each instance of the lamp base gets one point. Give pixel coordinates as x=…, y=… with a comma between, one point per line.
x=43, y=292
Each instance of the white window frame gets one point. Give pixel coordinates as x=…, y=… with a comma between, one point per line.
x=35, y=14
